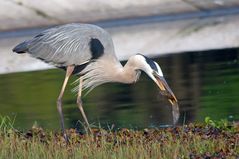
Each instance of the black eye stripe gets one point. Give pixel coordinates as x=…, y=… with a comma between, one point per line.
x=150, y=62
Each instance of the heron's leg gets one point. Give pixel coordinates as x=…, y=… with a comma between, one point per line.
x=69, y=71
x=79, y=103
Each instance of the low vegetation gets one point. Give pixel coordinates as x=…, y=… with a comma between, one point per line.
x=209, y=140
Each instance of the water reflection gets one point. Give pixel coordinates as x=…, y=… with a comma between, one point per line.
x=206, y=84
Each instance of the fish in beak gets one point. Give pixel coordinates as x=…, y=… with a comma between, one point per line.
x=166, y=91
x=153, y=70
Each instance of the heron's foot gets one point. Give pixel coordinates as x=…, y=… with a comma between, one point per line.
x=87, y=128
x=90, y=130
x=66, y=138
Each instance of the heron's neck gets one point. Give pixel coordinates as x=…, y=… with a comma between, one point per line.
x=126, y=74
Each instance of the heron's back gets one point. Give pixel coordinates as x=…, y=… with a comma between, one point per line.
x=70, y=44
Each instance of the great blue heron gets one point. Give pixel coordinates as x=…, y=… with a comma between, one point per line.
x=88, y=51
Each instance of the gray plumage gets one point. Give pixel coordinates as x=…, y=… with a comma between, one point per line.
x=67, y=44
x=70, y=45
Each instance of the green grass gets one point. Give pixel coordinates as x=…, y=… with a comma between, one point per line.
x=188, y=141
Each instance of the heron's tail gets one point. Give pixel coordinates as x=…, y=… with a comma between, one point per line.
x=21, y=48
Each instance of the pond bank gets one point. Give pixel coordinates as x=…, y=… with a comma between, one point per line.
x=189, y=141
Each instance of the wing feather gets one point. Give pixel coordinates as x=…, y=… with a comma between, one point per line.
x=67, y=44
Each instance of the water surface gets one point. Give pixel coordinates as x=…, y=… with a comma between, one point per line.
x=206, y=84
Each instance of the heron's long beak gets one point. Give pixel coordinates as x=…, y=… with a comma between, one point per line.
x=166, y=91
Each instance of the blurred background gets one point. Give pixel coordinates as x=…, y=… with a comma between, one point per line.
x=196, y=43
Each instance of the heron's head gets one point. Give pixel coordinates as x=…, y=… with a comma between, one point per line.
x=153, y=70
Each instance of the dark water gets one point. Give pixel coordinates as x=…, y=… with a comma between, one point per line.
x=206, y=84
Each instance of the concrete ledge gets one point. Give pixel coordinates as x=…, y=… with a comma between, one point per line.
x=28, y=13
x=151, y=39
